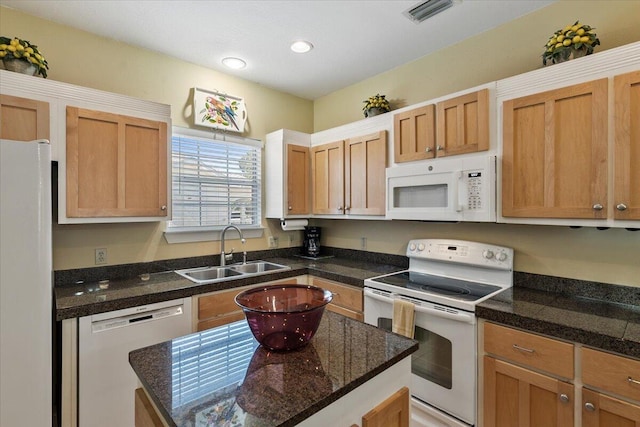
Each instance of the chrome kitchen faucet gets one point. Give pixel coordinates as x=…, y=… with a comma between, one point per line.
x=228, y=257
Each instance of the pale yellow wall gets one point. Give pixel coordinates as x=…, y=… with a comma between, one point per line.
x=507, y=50
x=87, y=60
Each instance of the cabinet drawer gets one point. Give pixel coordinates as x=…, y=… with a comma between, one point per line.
x=538, y=352
x=611, y=373
x=343, y=295
x=217, y=304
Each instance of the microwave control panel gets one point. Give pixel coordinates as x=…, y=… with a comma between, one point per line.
x=474, y=189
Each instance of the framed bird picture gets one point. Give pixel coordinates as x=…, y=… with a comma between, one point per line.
x=219, y=110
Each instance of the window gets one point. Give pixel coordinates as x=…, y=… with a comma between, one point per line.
x=216, y=181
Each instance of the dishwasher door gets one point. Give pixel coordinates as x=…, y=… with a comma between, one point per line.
x=106, y=381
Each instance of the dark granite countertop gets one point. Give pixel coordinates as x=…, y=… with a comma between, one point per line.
x=594, y=314
x=129, y=290
x=238, y=379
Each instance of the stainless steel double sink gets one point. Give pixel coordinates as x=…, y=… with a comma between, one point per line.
x=204, y=275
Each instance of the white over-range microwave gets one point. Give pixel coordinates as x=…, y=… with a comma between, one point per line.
x=447, y=189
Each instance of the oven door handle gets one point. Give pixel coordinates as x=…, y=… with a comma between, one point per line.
x=456, y=315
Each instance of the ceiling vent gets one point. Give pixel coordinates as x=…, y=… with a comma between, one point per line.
x=427, y=9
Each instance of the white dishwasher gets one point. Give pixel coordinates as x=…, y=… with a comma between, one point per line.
x=106, y=381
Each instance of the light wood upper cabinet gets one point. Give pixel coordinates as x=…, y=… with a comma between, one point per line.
x=463, y=124
x=414, y=134
x=627, y=146
x=327, y=172
x=365, y=165
x=23, y=119
x=348, y=177
x=287, y=174
x=555, y=153
x=298, y=187
x=116, y=165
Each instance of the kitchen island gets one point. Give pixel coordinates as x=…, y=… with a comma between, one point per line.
x=223, y=375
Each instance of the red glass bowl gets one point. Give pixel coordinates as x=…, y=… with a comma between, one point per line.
x=284, y=317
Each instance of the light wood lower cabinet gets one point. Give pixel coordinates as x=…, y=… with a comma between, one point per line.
x=393, y=412
x=145, y=412
x=514, y=396
x=529, y=381
x=347, y=300
x=219, y=308
x=600, y=410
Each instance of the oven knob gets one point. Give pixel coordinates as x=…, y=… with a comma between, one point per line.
x=501, y=256
x=487, y=253
x=412, y=247
x=421, y=247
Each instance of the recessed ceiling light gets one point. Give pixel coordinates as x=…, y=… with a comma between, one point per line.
x=301, y=46
x=234, y=63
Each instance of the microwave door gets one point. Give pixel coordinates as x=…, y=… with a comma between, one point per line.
x=433, y=197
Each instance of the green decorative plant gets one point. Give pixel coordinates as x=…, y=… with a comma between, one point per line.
x=377, y=101
x=577, y=40
x=23, y=50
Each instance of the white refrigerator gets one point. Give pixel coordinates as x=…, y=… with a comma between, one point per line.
x=25, y=284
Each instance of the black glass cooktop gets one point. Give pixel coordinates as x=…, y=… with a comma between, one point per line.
x=453, y=288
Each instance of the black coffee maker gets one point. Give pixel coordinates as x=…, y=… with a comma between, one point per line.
x=311, y=241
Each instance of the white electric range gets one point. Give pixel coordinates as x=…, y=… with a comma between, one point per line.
x=446, y=279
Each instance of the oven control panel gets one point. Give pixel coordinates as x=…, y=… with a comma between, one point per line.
x=460, y=251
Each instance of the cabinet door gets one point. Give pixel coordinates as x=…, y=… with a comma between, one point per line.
x=554, y=161
x=414, y=134
x=23, y=119
x=463, y=124
x=347, y=300
x=365, y=164
x=116, y=165
x=297, y=180
x=627, y=146
x=599, y=410
x=327, y=170
x=393, y=412
x=515, y=396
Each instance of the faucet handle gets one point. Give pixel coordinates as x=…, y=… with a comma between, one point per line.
x=229, y=256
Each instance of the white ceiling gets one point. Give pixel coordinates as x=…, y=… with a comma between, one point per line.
x=353, y=40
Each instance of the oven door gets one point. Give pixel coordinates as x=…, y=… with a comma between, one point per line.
x=444, y=367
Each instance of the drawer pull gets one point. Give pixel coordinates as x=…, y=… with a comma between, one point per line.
x=523, y=349
x=564, y=398
x=632, y=381
x=590, y=407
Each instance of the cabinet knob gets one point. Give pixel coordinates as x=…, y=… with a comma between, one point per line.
x=290, y=208
x=346, y=208
x=429, y=149
x=340, y=208
x=564, y=398
x=163, y=208
x=597, y=207
x=621, y=206
x=439, y=147
x=589, y=407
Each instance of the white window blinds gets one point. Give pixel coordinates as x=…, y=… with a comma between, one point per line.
x=215, y=182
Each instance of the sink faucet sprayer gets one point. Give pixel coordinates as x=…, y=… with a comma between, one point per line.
x=228, y=257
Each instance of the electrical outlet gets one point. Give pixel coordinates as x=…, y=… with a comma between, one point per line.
x=101, y=256
x=273, y=242
x=363, y=243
